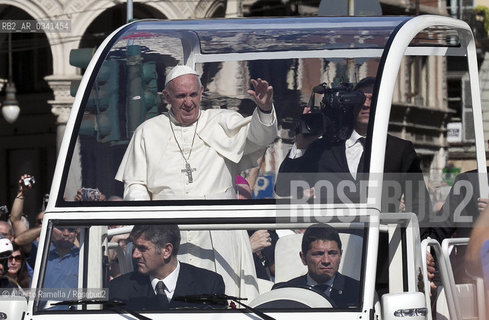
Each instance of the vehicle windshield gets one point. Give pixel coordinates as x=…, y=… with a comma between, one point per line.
x=313, y=68
x=255, y=264
x=131, y=140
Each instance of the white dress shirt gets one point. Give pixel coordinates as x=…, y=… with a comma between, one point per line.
x=295, y=152
x=353, y=152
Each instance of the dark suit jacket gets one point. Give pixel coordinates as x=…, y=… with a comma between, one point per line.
x=345, y=292
x=135, y=289
x=327, y=162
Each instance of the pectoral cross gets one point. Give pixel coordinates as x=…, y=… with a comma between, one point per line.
x=188, y=172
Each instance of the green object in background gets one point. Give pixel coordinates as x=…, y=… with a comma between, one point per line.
x=79, y=58
x=449, y=174
x=134, y=89
x=150, y=87
x=101, y=107
x=483, y=11
x=106, y=90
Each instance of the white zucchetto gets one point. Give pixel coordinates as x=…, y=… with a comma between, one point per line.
x=178, y=71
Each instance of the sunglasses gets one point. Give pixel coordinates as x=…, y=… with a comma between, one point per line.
x=17, y=258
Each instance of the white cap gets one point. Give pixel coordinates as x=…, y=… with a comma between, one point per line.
x=6, y=246
x=178, y=71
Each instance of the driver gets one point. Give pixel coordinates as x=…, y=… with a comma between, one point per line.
x=321, y=253
x=161, y=281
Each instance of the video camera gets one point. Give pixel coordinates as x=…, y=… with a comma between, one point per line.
x=333, y=118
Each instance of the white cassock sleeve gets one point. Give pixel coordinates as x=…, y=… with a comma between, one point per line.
x=240, y=140
x=262, y=132
x=130, y=173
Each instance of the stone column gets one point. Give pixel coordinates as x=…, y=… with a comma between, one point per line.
x=61, y=105
x=61, y=108
x=234, y=9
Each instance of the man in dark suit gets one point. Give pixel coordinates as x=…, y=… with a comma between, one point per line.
x=342, y=164
x=321, y=253
x=161, y=281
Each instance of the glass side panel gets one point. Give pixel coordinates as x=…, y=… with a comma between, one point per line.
x=443, y=186
x=268, y=35
x=309, y=266
x=281, y=40
x=347, y=37
x=436, y=36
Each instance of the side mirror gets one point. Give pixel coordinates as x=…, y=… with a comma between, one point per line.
x=406, y=305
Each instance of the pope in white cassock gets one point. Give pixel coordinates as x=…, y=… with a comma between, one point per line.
x=190, y=153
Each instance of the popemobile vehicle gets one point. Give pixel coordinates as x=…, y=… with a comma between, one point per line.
x=383, y=250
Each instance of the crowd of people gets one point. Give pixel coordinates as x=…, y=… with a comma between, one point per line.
x=199, y=154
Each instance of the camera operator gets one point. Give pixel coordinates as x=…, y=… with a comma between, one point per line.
x=327, y=141
x=342, y=159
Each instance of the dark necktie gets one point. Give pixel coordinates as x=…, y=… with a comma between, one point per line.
x=324, y=288
x=361, y=168
x=160, y=292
